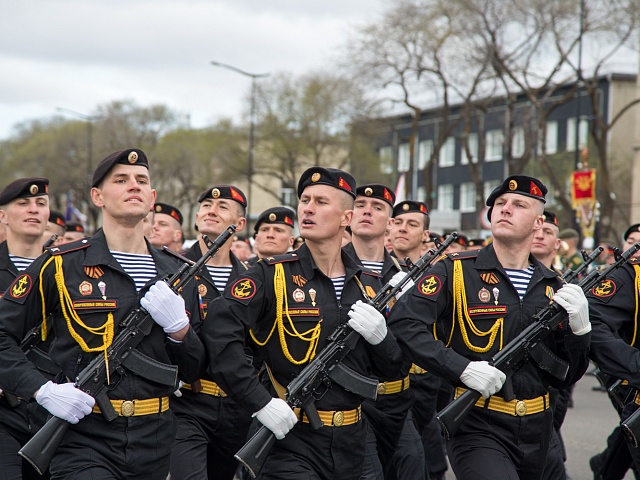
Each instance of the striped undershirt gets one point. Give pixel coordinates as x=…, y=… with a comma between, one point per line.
x=139, y=266
x=375, y=266
x=338, y=285
x=220, y=276
x=21, y=263
x=520, y=279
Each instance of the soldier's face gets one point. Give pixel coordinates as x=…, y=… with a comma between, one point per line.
x=166, y=230
x=323, y=210
x=26, y=216
x=215, y=215
x=515, y=217
x=633, y=237
x=407, y=232
x=273, y=239
x=371, y=217
x=125, y=193
x=545, y=241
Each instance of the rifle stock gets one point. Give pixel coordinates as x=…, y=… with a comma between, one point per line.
x=302, y=391
x=41, y=447
x=518, y=351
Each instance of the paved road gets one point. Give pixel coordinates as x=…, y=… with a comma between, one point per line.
x=585, y=429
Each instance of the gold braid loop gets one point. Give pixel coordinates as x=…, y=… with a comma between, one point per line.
x=460, y=310
x=106, y=330
x=312, y=336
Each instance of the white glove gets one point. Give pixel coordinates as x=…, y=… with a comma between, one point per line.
x=483, y=377
x=277, y=416
x=396, y=279
x=368, y=322
x=166, y=308
x=572, y=299
x=65, y=401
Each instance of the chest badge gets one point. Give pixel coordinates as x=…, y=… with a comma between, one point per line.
x=202, y=289
x=103, y=289
x=298, y=280
x=312, y=295
x=298, y=295
x=484, y=295
x=85, y=288
x=496, y=294
x=549, y=292
x=490, y=278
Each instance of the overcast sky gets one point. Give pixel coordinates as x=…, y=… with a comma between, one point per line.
x=78, y=54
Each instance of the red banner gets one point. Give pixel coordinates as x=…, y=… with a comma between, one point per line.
x=583, y=188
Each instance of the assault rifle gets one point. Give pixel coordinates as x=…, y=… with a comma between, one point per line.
x=528, y=345
x=315, y=379
x=93, y=378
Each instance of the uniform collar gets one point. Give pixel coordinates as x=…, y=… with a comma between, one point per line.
x=309, y=265
x=487, y=260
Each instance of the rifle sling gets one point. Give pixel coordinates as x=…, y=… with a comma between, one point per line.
x=280, y=390
x=151, y=369
x=549, y=362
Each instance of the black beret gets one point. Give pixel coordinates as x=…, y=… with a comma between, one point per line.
x=57, y=218
x=75, y=227
x=462, y=239
x=224, y=191
x=23, y=188
x=409, y=206
x=131, y=156
x=633, y=228
x=170, y=210
x=283, y=215
x=327, y=176
x=375, y=190
x=476, y=242
x=435, y=236
x=551, y=217
x=520, y=184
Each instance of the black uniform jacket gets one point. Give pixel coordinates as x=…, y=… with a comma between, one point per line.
x=89, y=270
x=206, y=287
x=490, y=296
x=389, y=267
x=250, y=303
x=8, y=271
x=614, y=313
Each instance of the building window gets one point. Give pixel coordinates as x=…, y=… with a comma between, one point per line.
x=495, y=141
x=518, y=142
x=448, y=153
x=571, y=134
x=386, y=160
x=489, y=187
x=425, y=150
x=551, y=146
x=445, y=197
x=467, y=197
x=472, y=140
x=404, y=160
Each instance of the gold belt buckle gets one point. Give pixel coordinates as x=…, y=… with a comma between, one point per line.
x=338, y=419
x=127, y=408
x=382, y=387
x=521, y=408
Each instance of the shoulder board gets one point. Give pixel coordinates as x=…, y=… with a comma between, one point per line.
x=634, y=261
x=287, y=257
x=368, y=271
x=69, y=247
x=462, y=255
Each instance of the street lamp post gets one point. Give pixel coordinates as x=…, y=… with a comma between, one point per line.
x=252, y=123
x=89, y=119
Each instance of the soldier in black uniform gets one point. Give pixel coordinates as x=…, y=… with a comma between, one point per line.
x=57, y=225
x=87, y=289
x=478, y=302
x=211, y=426
x=372, y=216
x=24, y=210
x=273, y=232
x=613, y=307
x=167, y=227
x=288, y=306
